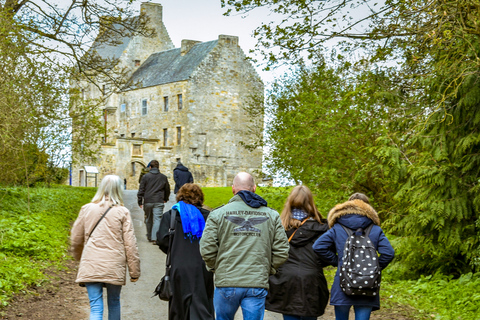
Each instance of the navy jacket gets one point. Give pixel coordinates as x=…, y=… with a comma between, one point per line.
x=181, y=175
x=352, y=214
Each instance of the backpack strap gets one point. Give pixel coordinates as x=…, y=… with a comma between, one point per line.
x=350, y=231
x=347, y=230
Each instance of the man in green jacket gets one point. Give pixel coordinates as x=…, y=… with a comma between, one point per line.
x=244, y=242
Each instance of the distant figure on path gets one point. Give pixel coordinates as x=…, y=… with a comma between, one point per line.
x=181, y=175
x=299, y=289
x=152, y=194
x=125, y=183
x=104, y=247
x=243, y=243
x=144, y=172
x=354, y=214
x=192, y=283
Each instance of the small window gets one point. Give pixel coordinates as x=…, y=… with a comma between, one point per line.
x=144, y=107
x=165, y=137
x=179, y=135
x=133, y=169
x=83, y=94
x=133, y=134
x=122, y=135
x=165, y=103
x=137, y=150
x=137, y=63
x=104, y=89
x=123, y=107
x=180, y=102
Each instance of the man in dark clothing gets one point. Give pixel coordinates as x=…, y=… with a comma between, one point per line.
x=152, y=194
x=181, y=175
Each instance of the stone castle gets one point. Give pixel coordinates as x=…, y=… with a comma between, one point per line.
x=183, y=104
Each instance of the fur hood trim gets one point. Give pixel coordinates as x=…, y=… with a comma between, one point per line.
x=352, y=207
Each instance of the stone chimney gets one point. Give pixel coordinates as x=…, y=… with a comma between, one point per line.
x=153, y=10
x=187, y=45
x=227, y=40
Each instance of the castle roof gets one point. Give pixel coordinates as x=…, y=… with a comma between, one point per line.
x=169, y=66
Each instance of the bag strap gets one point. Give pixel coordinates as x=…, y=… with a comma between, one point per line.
x=297, y=229
x=103, y=215
x=171, y=232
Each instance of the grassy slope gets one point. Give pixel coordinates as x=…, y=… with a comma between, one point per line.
x=34, y=231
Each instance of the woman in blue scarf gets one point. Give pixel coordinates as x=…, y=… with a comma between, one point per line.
x=192, y=283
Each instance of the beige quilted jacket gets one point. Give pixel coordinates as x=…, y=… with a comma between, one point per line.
x=111, y=247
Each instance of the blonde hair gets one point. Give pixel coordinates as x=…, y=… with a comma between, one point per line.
x=300, y=198
x=110, y=190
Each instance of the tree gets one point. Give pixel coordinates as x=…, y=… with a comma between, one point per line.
x=323, y=121
x=426, y=158
x=35, y=126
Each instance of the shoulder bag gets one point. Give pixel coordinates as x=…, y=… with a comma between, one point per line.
x=164, y=288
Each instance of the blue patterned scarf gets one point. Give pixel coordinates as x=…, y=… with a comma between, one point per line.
x=193, y=222
x=299, y=214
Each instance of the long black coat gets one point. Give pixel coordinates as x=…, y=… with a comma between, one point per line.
x=192, y=283
x=299, y=287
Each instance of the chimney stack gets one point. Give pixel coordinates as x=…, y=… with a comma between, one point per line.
x=153, y=10
x=228, y=40
x=187, y=45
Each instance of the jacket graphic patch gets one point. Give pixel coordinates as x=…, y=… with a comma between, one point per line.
x=246, y=227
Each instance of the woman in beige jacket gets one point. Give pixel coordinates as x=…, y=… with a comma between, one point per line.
x=105, y=252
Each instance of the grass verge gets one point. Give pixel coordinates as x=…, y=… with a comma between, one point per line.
x=34, y=227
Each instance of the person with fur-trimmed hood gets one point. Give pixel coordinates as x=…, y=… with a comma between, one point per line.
x=353, y=214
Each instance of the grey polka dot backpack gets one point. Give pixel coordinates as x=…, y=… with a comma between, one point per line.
x=360, y=272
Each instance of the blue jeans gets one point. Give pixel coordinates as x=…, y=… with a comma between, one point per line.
x=289, y=317
x=95, y=295
x=361, y=313
x=153, y=216
x=227, y=300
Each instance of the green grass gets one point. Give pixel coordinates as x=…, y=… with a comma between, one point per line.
x=34, y=227
x=275, y=197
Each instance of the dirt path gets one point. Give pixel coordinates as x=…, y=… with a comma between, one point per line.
x=63, y=299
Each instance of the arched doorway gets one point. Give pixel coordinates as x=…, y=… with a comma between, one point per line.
x=132, y=174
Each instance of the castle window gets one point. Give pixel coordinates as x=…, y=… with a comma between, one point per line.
x=179, y=135
x=144, y=107
x=122, y=135
x=104, y=89
x=83, y=94
x=137, y=63
x=123, y=107
x=165, y=137
x=180, y=101
x=165, y=103
x=133, y=134
x=133, y=169
x=137, y=150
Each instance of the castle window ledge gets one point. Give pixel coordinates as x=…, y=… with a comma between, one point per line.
x=110, y=144
x=165, y=148
x=111, y=109
x=140, y=139
x=137, y=156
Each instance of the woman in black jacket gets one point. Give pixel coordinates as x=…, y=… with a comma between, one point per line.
x=299, y=289
x=192, y=283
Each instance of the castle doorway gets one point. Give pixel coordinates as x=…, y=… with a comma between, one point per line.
x=132, y=174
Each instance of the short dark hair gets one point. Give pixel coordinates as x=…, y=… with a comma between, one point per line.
x=190, y=193
x=359, y=196
x=154, y=164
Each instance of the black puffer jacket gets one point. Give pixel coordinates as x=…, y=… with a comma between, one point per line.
x=299, y=287
x=154, y=188
x=181, y=175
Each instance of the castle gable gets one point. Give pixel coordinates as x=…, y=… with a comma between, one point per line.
x=170, y=66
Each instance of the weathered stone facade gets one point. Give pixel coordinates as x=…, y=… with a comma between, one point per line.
x=183, y=104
